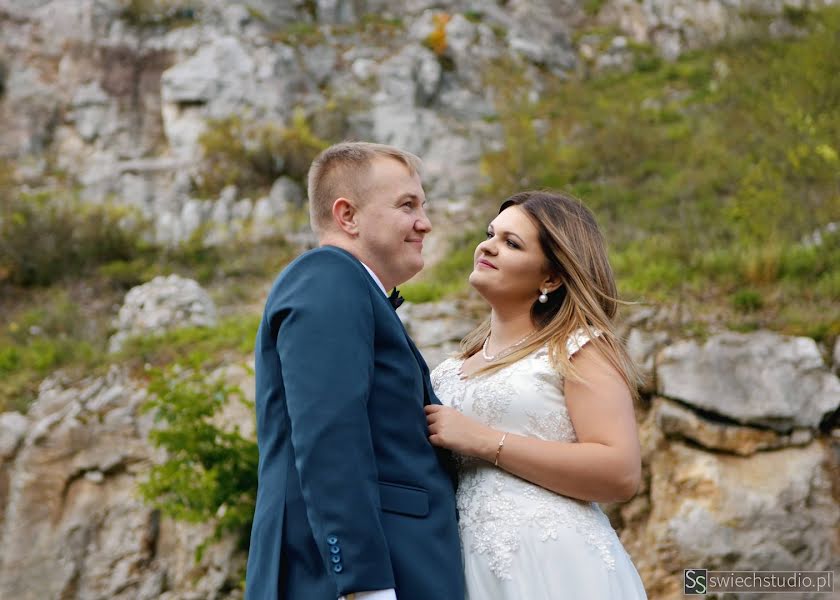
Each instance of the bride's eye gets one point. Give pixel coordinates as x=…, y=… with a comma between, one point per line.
x=513, y=244
x=489, y=234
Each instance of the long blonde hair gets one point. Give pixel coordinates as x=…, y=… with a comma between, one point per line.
x=575, y=250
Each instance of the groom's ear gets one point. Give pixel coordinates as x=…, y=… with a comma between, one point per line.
x=344, y=214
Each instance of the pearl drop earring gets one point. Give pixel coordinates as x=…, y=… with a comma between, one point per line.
x=543, y=297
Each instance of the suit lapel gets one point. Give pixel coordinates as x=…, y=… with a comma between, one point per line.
x=428, y=394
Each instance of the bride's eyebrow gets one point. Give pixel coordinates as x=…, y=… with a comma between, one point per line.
x=490, y=228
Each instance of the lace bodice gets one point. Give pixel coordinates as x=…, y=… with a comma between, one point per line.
x=495, y=507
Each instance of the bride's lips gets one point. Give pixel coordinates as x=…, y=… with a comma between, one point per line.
x=487, y=263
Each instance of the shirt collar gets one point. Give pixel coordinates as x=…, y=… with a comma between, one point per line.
x=375, y=278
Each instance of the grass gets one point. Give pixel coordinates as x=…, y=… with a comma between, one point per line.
x=36, y=341
x=232, y=335
x=705, y=174
x=299, y=33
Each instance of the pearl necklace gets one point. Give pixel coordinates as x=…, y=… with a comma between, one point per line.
x=505, y=351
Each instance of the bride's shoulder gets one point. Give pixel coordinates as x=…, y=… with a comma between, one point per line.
x=448, y=365
x=579, y=339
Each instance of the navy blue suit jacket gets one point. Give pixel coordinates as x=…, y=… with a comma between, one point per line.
x=352, y=496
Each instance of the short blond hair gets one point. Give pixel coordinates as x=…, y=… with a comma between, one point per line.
x=340, y=170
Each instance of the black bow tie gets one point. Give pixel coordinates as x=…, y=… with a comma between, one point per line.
x=395, y=299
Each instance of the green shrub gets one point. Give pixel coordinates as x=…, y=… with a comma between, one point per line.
x=163, y=13
x=252, y=156
x=125, y=274
x=592, y=7
x=45, y=238
x=474, y=16
x=210, y=473
x=747, y=301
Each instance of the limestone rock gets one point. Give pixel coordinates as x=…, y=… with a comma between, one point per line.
x=285, y=192
x=220, y=75
x=770, y=511
x=162, y=304
x=542, y=38
x=13, y=427
x=679, y=422
x=214, y=70
x=74, y=524
x=760, y=378
x=91, y=111
x=29, y=109
x=642, y=346
x=320, y=62
x=193, y=215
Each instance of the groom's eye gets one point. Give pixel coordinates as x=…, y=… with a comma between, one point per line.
x=489, y=234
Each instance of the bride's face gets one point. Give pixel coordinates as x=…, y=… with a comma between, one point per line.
x=509, y=266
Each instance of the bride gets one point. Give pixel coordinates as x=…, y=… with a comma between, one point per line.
x=539, y=408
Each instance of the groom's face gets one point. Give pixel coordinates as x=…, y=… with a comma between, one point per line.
x=392, y=221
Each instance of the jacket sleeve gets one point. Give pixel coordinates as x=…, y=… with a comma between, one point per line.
x=323, y=315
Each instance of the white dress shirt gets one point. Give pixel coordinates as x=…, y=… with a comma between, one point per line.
x=389, y=594
x=375, y=278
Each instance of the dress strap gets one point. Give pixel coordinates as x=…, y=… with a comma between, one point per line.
x=579, y=339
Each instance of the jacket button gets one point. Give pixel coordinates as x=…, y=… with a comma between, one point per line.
x=334, y=550
x=338, y=568
x=332, y=540
x=336, y=558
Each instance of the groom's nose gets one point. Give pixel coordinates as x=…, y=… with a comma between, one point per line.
x=423, y=224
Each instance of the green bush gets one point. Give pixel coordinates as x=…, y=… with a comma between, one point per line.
x=593, y=7
x=45, y=238
x=747, y=301
x=163, y=13
x=252, y=156
x=210, y=473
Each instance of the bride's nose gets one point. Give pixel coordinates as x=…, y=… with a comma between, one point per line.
x=487, y=247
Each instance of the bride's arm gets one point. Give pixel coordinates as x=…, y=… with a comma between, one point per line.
x=604, y=465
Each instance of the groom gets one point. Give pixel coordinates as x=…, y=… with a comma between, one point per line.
x=353, y=500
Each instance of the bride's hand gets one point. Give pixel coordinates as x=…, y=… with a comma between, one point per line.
x=450, y=429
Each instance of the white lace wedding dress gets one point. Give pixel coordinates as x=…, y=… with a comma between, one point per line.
x=521, y=541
